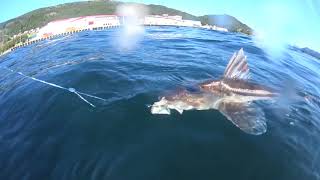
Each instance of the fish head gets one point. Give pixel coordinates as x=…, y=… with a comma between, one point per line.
x=160, y=107
x=180, y=102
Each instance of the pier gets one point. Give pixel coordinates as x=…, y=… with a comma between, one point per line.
x=32, y=41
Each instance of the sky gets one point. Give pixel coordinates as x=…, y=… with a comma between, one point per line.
x=291, y=21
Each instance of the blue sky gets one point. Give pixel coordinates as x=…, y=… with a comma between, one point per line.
x=294, y=21
x=279, y=21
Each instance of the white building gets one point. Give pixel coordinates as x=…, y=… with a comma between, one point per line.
x=77, y=24
x=191, y=23
x=102, y=21
x=166, y=20
x=216, y=28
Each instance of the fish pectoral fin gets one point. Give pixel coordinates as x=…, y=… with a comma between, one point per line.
x=246, y=116
x=180, y=110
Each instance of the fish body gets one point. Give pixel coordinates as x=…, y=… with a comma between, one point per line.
x=232, y=95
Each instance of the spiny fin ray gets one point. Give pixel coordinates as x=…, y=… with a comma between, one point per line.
x=237, y=67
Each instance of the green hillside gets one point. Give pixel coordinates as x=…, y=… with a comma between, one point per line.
x=226, y=21
x=41, y=17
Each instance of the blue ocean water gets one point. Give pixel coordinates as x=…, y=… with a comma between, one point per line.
x=50, y=133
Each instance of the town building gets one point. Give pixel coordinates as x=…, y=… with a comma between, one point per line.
x=216, y=28
x=166, y=20
x=77, y=24
x=97, y=22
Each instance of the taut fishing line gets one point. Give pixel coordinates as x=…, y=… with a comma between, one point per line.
x=72, y=90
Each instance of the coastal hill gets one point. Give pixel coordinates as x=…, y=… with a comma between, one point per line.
x=226, y=21
x=41, y=17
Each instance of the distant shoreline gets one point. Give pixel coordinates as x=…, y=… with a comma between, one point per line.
x=38, y=18
x=98, y=22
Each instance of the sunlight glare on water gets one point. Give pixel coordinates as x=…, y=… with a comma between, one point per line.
x=132, y=30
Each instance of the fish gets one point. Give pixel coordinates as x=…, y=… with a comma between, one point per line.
x=233, y=95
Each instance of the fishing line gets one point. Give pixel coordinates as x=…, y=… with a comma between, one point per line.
x=71, y=90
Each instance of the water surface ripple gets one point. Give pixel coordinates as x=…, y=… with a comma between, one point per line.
x=48, y=133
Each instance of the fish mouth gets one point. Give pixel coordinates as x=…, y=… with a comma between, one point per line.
x=160, y=107
x=156, y=109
